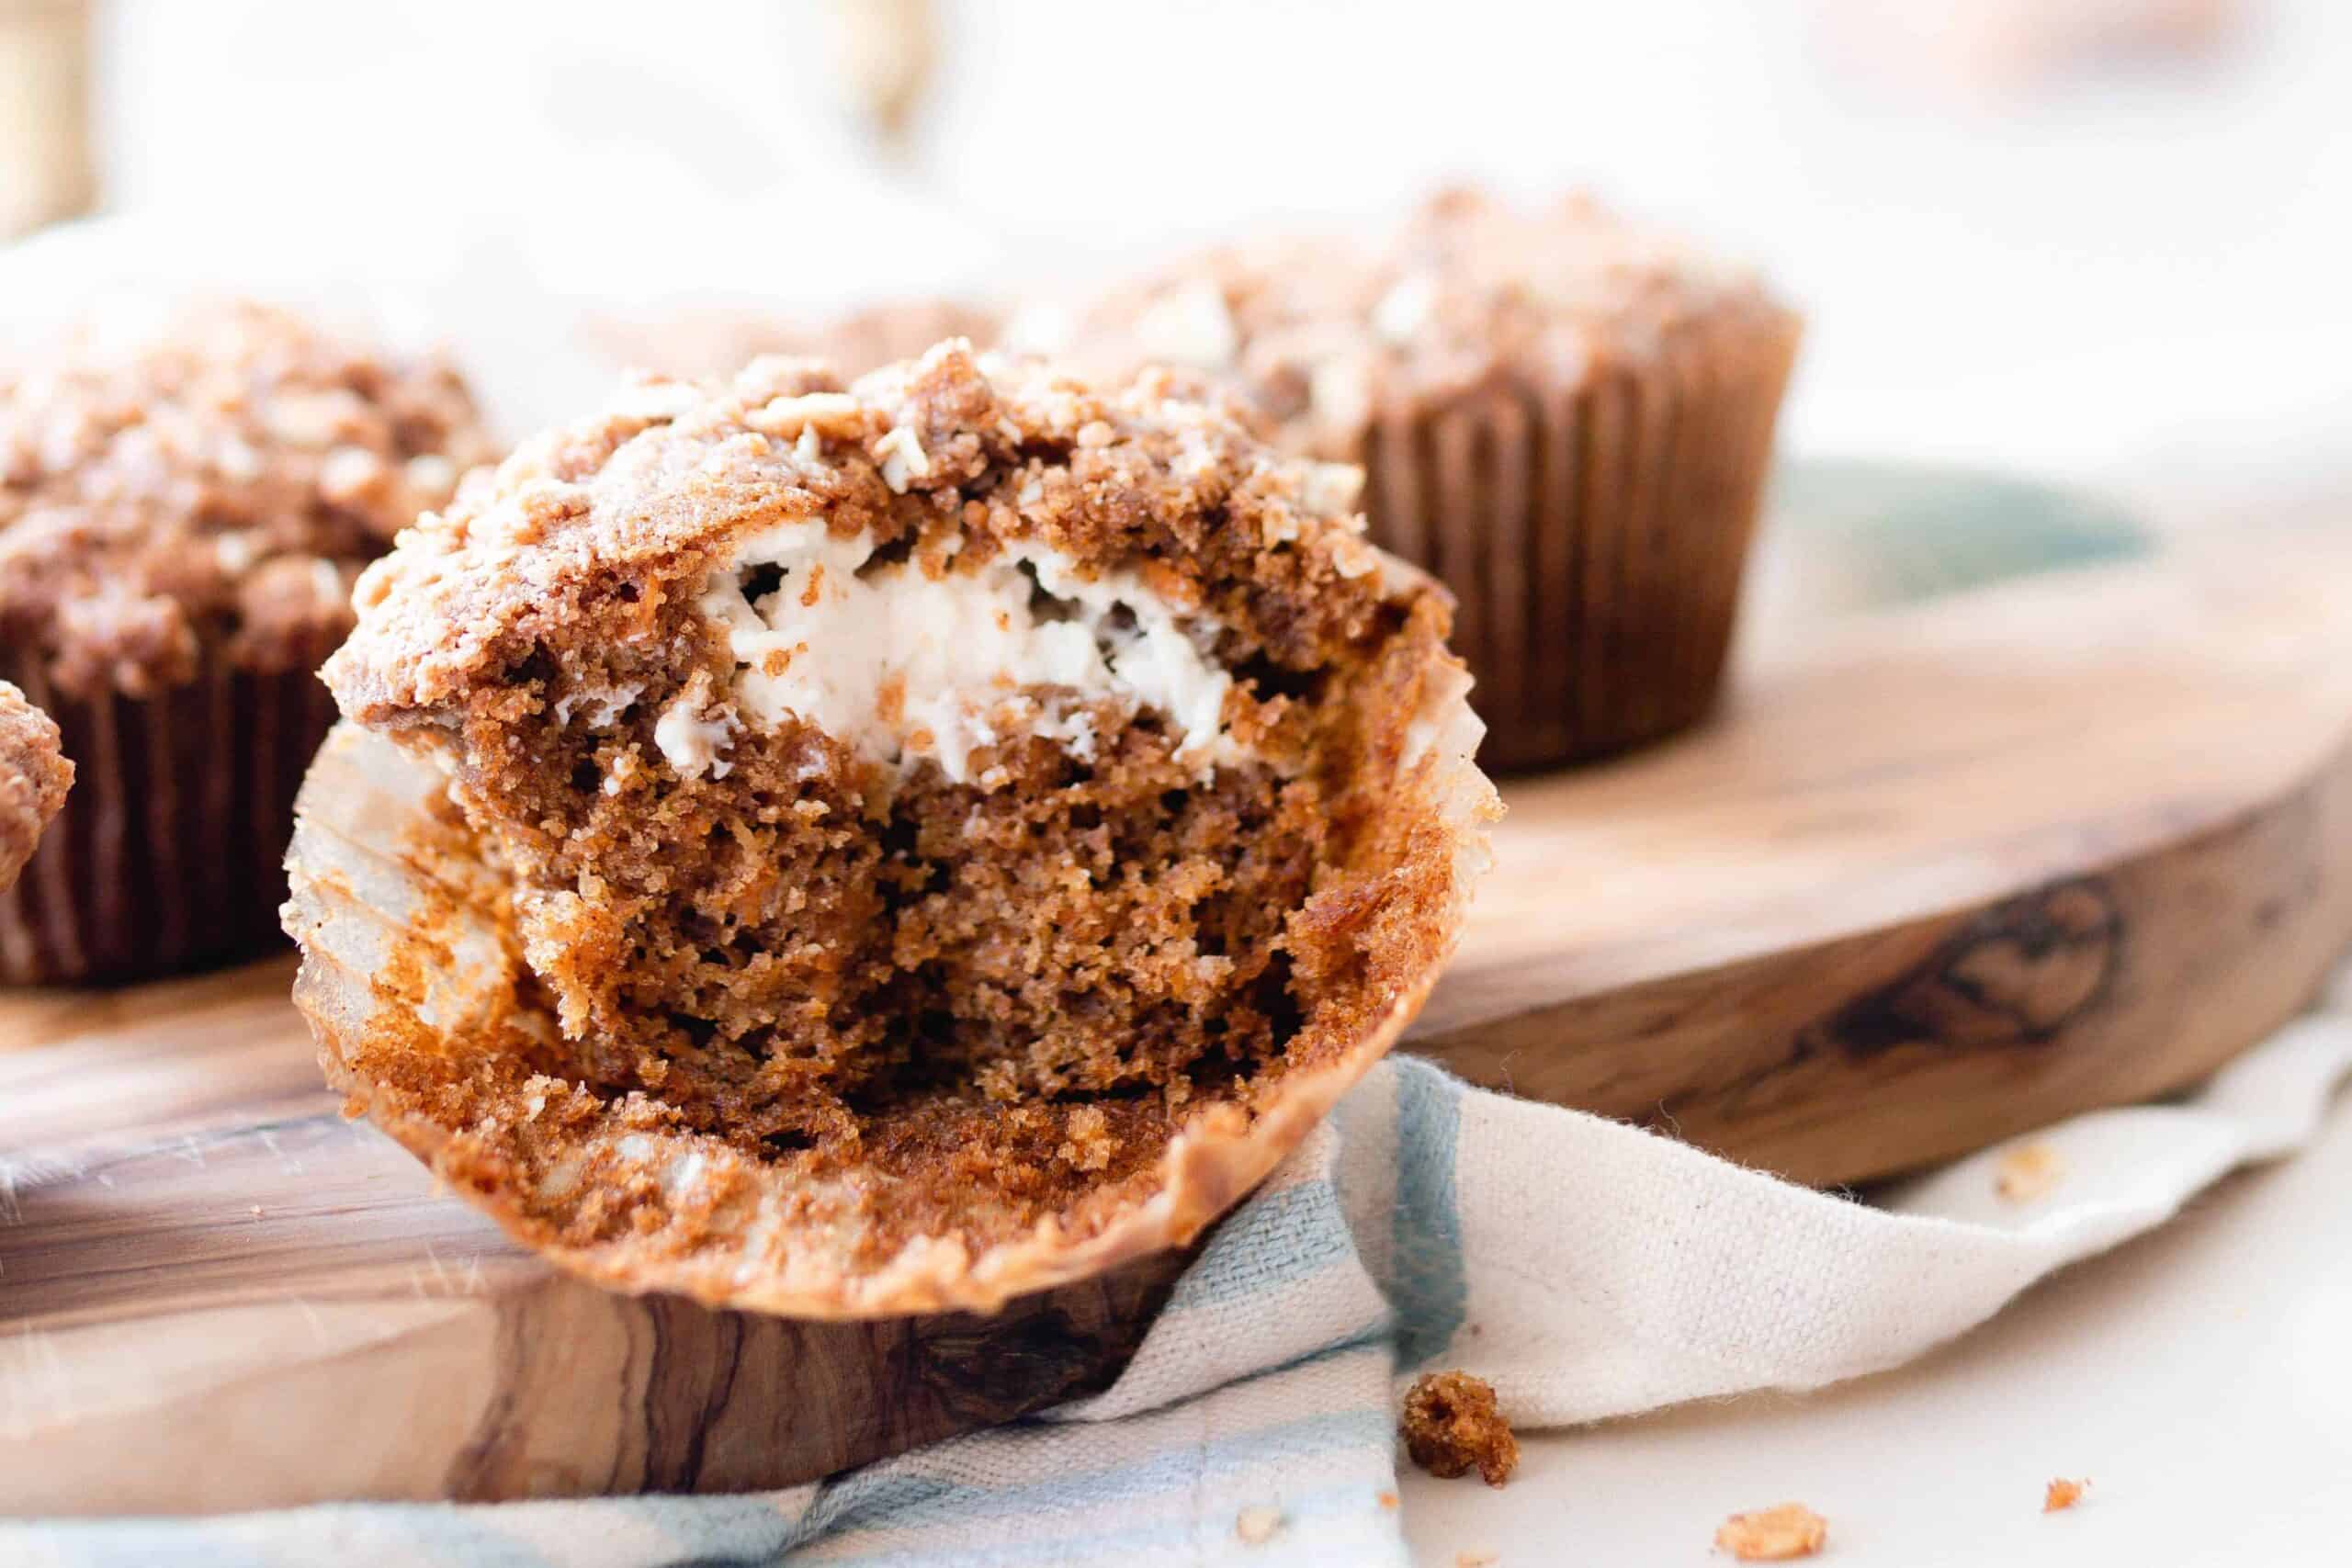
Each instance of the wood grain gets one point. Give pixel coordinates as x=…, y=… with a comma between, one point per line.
x=215, y=1293
x=1935, y=876
x=1938, y=876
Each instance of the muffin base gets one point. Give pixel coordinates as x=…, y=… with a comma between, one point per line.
x=1594, y=535
x=168, y=856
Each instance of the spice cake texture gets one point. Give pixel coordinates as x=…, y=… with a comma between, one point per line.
x=1566, y=414
x=187, y=494
x=956, y=829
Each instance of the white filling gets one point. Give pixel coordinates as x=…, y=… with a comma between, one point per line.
x=901, y=666
x=692, y=743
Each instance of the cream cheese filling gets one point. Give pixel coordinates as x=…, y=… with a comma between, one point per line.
x=903, y=667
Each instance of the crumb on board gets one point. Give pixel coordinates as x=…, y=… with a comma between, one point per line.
x=2062, y=1495
x=1451, y=1425
x=1474, y=1558
x=1773, y=1535
x=1387, y=1499
x=1257, y=1523
x=2027, y=1171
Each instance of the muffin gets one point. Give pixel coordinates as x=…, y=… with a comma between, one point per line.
x=33, y=777
x=184, y=501
x=868, y=851
x=1566, y=417
x=719, y=341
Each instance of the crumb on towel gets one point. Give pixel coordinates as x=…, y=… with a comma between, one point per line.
x=1451, y=1424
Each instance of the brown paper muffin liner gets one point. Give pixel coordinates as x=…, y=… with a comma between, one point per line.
x=168, y=856
x=1593, y=534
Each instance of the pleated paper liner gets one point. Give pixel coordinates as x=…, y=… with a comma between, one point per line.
x=168, y=856
x=1594, y=535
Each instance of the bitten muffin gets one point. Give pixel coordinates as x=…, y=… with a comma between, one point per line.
x=920, y=842
x=33, y=777
x=185, y=503
x=1566, y=417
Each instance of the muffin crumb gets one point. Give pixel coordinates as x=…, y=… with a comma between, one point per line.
x=2028, y=1172
x=1452, y=1426
x=1258, y=1523
x=1773, y=1535
x=2062, y=1495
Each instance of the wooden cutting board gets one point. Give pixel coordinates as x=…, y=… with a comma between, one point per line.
x=1939, y=872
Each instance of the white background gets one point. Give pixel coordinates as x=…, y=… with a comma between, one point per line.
x=2200, y=1377
x=2129, y=264
x=2136, y=276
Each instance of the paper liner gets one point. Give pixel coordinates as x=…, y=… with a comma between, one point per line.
x=1594, y=532
x=168, y=855
x=419, y=1000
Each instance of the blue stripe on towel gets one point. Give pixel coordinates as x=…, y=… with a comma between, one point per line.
x=1431, y=1292
x=1282, y=1237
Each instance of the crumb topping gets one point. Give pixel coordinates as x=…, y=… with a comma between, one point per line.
x=215, y=478
x=1322, y=333
x=1452, y=1426
x=950, y=462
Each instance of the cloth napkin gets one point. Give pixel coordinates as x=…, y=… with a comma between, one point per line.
x=1585, y=1268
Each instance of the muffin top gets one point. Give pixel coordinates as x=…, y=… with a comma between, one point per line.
x=720, y=340
x=33, y=777
x=949, y=459
x=1324, y=333
x=213, y=479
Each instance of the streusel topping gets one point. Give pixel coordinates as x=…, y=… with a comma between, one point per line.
x=215, y=482
x=1321, y=334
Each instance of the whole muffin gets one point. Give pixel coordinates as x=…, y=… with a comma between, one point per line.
x=184, y=501
x=1568, y=418
x=33, y=777
x=914, y=843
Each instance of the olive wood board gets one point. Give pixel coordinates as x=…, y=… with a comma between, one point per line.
x=1935, y=874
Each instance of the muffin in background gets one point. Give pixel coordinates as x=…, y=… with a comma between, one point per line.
x=717, y=341
x=186, y=498
x=1566, y=417
x=33, y=777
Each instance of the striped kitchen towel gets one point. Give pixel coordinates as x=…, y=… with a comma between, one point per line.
x=1585, y=1268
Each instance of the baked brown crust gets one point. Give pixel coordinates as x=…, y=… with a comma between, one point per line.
x=206, y=487
x=603, y=1107
x=33, y=777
